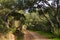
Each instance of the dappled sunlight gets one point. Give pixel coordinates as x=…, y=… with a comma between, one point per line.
x=29, y=19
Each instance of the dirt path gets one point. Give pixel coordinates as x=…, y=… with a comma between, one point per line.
x=29, y=35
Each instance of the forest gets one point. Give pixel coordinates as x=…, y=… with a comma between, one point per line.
x=27, y=19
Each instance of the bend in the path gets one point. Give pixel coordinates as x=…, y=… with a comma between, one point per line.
x=29, y=35
x=36, y=36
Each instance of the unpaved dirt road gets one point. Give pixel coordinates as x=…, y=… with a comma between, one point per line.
x=29, y=35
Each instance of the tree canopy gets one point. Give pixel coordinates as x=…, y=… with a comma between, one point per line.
x=41, y=15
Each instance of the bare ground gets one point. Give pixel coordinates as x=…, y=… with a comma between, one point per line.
x=29, y=35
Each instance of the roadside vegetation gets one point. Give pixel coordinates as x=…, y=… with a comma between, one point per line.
x=40, y=16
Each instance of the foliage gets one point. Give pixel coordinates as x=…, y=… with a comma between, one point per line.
x=39, y=17
x=3, y=29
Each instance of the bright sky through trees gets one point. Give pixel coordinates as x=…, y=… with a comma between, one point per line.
x=41, y=3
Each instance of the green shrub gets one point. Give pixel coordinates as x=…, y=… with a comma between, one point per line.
x=57, y=33
x=3, y=29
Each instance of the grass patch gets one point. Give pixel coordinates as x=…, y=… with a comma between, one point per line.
x=48, y=35
x=56, y=39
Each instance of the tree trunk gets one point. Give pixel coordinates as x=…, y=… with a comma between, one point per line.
x=7, y=24
x=57, y=13
x=52, y=24
x=58, y=21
